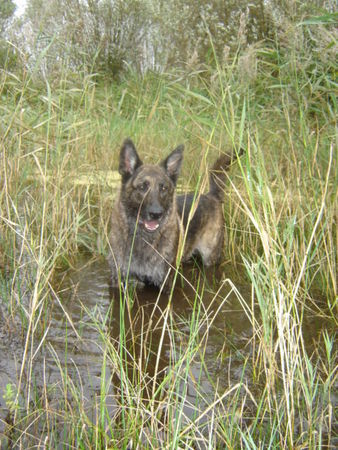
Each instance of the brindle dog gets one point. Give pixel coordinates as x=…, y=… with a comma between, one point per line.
x=148, y=219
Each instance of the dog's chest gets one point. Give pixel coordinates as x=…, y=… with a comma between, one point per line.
x=150, y=259
x=150, y=255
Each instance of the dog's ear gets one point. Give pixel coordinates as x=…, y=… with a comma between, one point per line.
x=172, y=164
x=129, y=160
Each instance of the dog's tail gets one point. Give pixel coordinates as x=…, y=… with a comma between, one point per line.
x=217, y=176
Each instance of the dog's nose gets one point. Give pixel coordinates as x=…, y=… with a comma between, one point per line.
x=155, y=215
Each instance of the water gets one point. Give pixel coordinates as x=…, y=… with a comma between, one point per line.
x=85, y=307
x=86, y=296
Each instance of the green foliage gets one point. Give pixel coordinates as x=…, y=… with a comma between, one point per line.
x=60, y=138
x=9, y=397
x=7, y=10
x=8, y=56
x=90, y=36
x=107, y=37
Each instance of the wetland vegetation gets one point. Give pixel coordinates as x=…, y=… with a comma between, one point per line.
x=240, y=356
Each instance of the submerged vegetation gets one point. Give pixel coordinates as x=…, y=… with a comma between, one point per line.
x=59, y=143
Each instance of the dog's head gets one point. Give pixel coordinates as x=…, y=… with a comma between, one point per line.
x=148, y=191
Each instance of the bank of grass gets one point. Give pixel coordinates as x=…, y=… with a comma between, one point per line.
x=58, y=141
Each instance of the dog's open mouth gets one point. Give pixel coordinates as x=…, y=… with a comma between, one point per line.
x=150, y=225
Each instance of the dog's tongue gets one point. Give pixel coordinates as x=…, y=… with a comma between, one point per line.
x=151, y=225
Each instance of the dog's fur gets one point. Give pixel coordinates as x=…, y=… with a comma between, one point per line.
x=148, y=219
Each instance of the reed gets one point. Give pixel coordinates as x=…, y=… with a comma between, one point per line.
x=59, y=148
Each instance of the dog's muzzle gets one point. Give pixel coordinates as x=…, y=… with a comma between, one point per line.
x=152, y=223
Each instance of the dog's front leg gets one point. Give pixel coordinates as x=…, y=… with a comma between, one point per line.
x=167, y=285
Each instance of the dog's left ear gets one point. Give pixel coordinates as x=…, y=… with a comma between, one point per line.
x=172, y=164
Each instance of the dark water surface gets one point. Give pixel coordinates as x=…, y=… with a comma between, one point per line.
x=85, y=306
x=87, y=295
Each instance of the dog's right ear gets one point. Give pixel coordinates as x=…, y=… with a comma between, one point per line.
x=129, y=160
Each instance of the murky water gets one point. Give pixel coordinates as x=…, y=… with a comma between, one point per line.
x=86, y=296
x=74, y=345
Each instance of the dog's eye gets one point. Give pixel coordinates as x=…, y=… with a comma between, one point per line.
x=163, y=188
x=143, y=187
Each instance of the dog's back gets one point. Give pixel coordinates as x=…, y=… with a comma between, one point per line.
x=202, y=216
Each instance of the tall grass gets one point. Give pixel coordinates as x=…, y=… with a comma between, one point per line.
x=58, y=143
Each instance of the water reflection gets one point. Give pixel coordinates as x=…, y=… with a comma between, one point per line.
x=152, y=333
x=200, y=344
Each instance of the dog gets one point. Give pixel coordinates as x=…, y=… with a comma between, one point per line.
x=149, y=221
